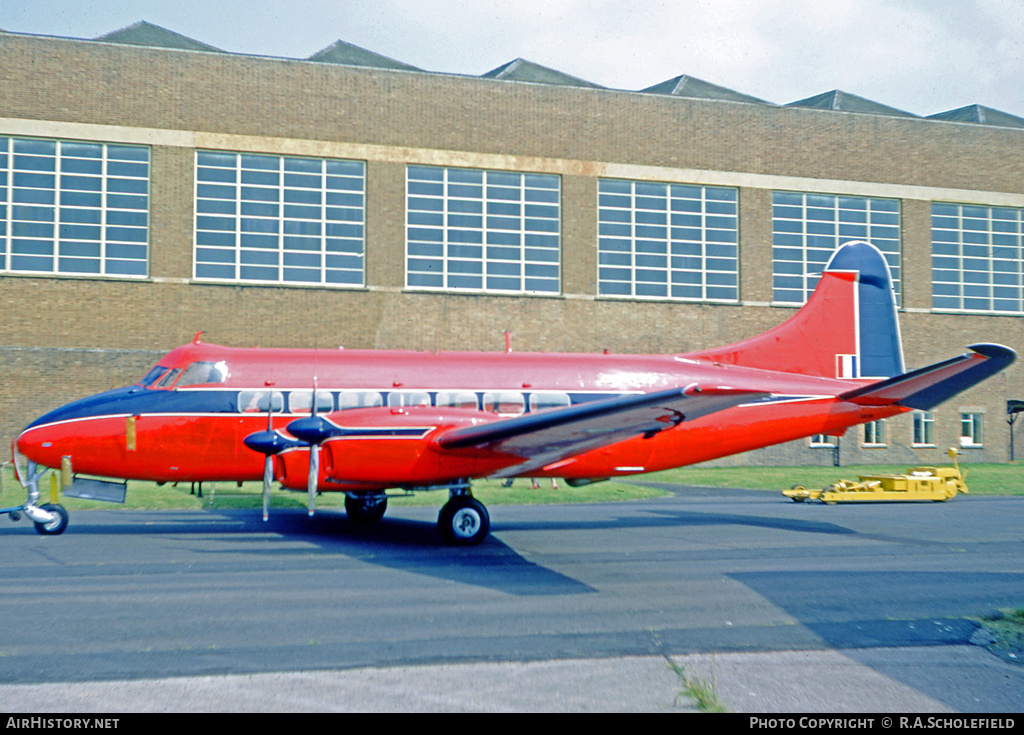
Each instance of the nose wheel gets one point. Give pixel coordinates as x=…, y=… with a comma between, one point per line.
x=50, y=519
x=56, y=525
x=463, y=521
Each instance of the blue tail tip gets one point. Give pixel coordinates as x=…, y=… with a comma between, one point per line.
x=864, y=258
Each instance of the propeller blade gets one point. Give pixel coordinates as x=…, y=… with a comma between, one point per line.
x=268, y=478
x=314, y=454
x=268, y=463
x=314, y=475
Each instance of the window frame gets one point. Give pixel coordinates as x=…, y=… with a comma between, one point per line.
x=874, y=434
x=925, y=420
x=470, y=230
x=972, y=429
x=801, y=228
x=967, y=275
x=667, y=241
x=271, y=219
x=74, y=208
x=821, y=441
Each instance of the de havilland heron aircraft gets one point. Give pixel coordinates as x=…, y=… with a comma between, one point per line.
x=364, y=422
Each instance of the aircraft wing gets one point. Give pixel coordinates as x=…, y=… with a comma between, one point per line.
x=929, y=386
x=543, y=438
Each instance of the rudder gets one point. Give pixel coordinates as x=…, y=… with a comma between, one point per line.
x=847, y=329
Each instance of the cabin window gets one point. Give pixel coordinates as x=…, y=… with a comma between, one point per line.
x=199, y=373
x=299, y=401
x=359, y=399
x=457, y=399
x=505, y=403
x=543, y=401
x=402, y=398
x=259, y=401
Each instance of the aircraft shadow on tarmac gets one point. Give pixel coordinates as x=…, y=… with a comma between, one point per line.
x=662, y=518
x=397, y=543
x=405, y=544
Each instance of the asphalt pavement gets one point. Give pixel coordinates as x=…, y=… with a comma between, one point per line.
x=775, y=607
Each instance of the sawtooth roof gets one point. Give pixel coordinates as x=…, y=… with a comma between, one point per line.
x=144, y=33
x=147, y=34
x=349, y=54
x=846, y=102
x=521, y=70
x=686, y=86
x=980, y=114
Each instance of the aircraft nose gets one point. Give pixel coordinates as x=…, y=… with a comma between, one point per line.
x=39, y=445
x=85, y=426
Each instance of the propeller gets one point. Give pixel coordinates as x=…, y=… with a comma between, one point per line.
x=269, y=443
x=312, y=430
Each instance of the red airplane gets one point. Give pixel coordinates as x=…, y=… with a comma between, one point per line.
x=365, y=421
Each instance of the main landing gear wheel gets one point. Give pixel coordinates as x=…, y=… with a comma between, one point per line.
x=463, y=521
x=365, y=508
x=59, y=522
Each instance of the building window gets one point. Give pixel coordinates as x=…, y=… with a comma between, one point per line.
x=971, y=430
x=874, y=433
x=489, y=231
x=667, y=241
x=273, y=219
x=74, y=208
x=822, y=441
x=807, y=229
x=924, y=429
x=977, y=258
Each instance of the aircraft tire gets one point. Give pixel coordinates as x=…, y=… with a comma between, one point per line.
x=363, y=510
x=56, y=526
x=463, y=521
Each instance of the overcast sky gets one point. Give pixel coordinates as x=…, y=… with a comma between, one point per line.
x=922, y=56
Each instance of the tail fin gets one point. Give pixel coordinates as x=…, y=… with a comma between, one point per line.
x=847, y=329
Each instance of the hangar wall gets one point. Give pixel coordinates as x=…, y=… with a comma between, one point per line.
x=63, y=336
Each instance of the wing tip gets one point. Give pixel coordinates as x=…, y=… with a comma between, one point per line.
x=994, y=351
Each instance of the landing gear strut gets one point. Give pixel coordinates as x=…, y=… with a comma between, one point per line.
x=50, y=519
x=463, y=520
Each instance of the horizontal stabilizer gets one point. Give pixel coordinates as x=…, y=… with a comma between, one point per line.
x=929, y=386
x=549, y=436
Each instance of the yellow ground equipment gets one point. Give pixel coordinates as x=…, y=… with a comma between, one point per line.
x=920, y=483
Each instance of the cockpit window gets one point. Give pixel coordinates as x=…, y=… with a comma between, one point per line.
x=152, y=375
x=199, y=373
x=167, y=380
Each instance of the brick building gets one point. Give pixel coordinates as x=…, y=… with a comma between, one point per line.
x=153, y=187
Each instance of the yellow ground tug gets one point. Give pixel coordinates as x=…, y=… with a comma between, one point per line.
x=920, y=483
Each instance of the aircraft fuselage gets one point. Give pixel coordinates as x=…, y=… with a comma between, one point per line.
x=169, y=428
